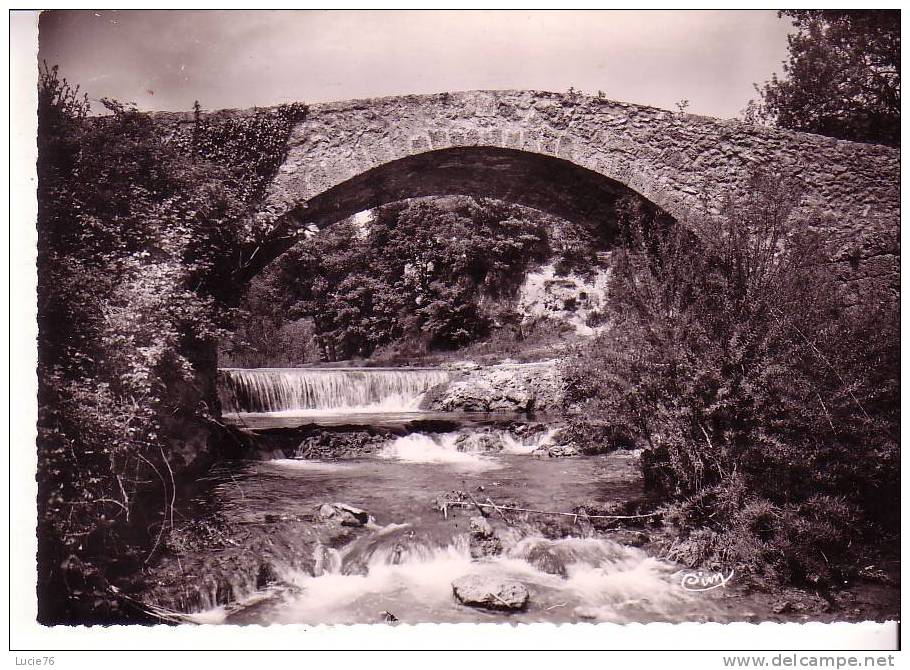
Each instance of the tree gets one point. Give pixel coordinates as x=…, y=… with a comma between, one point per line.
x=137, y=227
x=842, y=78
x=418, y=274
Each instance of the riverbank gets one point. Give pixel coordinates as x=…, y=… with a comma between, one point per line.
x=440, y=512
x=258, y=546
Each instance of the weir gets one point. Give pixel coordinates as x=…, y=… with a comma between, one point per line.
x=286, y=559
x=291, y=390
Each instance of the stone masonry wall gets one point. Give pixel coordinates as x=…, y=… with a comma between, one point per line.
x=680, y=162
x=676, y=161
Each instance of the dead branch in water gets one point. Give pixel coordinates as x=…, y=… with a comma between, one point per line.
x=154, y=611
x=474, y=502
x=499, y=509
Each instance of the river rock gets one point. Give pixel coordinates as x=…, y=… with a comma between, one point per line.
x=490, y=592
x=346, y=515
x=478, y=442
x=629, y=537
x=483, y=541
x=556, y=451
x=545, y=560
x=335, y=444
x=266, y=576
x=782, y=607
x=480, y=527
x=483, y=547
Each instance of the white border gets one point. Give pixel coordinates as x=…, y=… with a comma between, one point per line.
x=26, y=634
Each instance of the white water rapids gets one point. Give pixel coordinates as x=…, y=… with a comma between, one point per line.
x=404, y=560
x=571, y=579
x=471, y=449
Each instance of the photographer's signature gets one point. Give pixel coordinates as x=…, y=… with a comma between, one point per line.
x=702, y=580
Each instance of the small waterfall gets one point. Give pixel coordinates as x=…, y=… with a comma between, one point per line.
x=436, y=448
x=293, y=390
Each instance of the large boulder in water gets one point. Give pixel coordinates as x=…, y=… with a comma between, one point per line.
x=491, y=592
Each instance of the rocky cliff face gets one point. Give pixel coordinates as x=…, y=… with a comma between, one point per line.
x=572, y=299
x=529, y=387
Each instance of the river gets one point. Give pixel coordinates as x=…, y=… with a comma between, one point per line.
x=275, y=559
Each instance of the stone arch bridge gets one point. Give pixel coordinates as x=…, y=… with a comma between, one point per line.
x=570, y=155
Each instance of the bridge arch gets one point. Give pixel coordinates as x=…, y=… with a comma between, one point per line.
x=550, y=150
x=553, y=185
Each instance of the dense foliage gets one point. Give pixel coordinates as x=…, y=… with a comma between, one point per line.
x=842, y=78
x=135, y=229
x=769, y=409
x=424, y=274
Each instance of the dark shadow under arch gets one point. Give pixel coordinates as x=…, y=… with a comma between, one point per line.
x=546, y=183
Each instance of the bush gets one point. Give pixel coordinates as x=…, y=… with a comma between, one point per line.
x=766, y=404
x=138, y=231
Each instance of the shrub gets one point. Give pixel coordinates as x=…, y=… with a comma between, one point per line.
x=765, y=402
x=137, y=237
x=416, y=273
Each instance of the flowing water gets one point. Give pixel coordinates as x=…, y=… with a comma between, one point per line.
x=402, y=562
x=299, y=391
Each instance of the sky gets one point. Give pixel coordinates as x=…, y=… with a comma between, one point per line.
x=165, y=60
